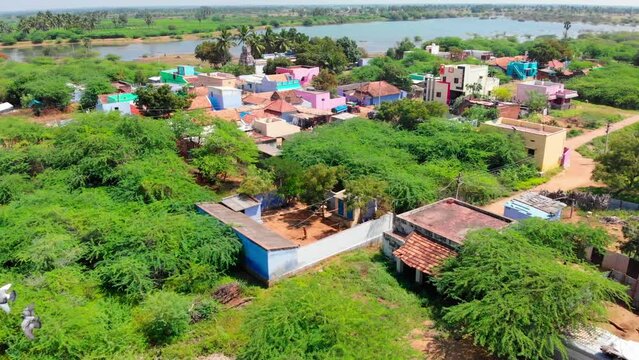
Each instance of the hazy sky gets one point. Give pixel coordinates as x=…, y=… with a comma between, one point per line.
x=9, y=5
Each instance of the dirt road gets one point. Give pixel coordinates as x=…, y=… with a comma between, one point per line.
x=580, y=170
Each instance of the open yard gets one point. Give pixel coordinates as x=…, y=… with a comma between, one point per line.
x=300, y=224
x=585, y=116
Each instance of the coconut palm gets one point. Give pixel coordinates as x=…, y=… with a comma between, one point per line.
x=256, y=42
x=225, y=40
x=282, y=43
x=243, y=34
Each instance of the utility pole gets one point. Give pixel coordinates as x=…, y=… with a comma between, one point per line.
x=607, y=135
x=459, y=183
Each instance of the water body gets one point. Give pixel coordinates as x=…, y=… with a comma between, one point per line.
x=375, y=37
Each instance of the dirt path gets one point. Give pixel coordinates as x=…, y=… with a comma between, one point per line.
x=580, y=171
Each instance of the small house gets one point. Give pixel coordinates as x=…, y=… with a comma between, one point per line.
x=323, y=100
x=304, y=74
x=337, y=204
x=558, y=97
x=522, y=70
x=483, y=55
x=434, y=89
x=124, y=103
x=213, y=79
x=371, y=93
x=274, y=127
x=544, y=143
x=533, y=204
x=422, y=239
x=179, y=75
x=462, y=77
x=224, y=97
x=265, y=254
x=266, y=83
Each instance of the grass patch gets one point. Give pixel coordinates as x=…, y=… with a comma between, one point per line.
x=590, y=116
x=597, y=146
x=536, y=181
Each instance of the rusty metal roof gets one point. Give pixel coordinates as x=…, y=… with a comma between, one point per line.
x=255, y=232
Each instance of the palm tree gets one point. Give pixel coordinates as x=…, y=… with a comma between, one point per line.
x=282, y=43
x=225, y=40
x=567, y=26
x=243, y=34
x=256, y=42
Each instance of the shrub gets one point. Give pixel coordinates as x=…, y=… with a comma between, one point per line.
x=8, y=39
x=163, y=317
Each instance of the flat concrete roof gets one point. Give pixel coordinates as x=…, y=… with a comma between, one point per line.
x=453, y=219
x=525, y=126
x=257, y=233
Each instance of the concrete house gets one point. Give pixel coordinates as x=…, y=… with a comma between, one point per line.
x=545, y=143
x=323, y=100
x=423, y=238
x=266, y=83
x=274, y=127
x=532, y=204
x=435, y=89
x=179, y=75
x=224, y=97
x=304, y=74
x=461, y=76
x=213, y=79
x=522, y=70
x=245, y=204
x=483, y=55
x=265, y=254
x=123, y=103
x=371, y=93
x=558, y=97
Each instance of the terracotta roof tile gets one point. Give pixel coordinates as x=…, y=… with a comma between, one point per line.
x=378, y=88
x=423, y=254
x=255, y=99
x=280, y=106
x=556, y=64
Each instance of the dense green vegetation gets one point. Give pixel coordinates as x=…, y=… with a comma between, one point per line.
x=419, y=166
x=600, y=86
x=516, y=292
x=97, y=215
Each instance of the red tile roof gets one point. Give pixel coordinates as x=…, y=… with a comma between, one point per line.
x=423, y=254
x=503, y=62
x=555, y=64
x=289, y=96
x=135, y=110
x=378, y=88
x=255, y=99
x=280, y=106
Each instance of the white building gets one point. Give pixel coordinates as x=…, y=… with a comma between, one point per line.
x=463, y=77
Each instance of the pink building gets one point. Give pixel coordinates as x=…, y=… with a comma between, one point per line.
x=321, y=100
x=558, y=97
x=304, y=74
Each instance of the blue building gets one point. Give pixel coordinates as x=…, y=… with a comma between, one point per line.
x=532, y=204
x=265, y=254
x=522, y=70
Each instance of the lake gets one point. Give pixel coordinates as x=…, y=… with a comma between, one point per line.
x=375, y=37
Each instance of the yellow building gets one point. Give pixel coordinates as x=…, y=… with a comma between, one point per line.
x=544, y=142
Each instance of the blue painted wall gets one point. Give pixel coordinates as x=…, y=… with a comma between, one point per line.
x=255, y=258
x=271, y=201
x=519, y=211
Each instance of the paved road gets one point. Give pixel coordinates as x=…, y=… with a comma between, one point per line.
x=580, y=171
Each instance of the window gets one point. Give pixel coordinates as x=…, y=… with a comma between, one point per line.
x=438, y=94
x=116, y=108
x=456, y=81
x=444, y=79
x=531, y=152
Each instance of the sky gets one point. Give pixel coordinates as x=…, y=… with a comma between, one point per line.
x=60, y=4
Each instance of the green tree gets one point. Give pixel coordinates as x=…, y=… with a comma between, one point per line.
x=92, y=90
x=361, y=191
x=407, y=113
x=481, y=113
x=326, y=81
x=536, y=102
x=350, y=49
x=257, y=181
x=631, y=235
x=163, y=316
x=289, y=177
x=503, y=93
x=318, y=180
x=226, y=151
x=213, y=52
x=548, y=50
x=619, y=167
x=497, y=282
x=322, y=52
x=394, y=73
x=160, y=101
x=273, y=64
